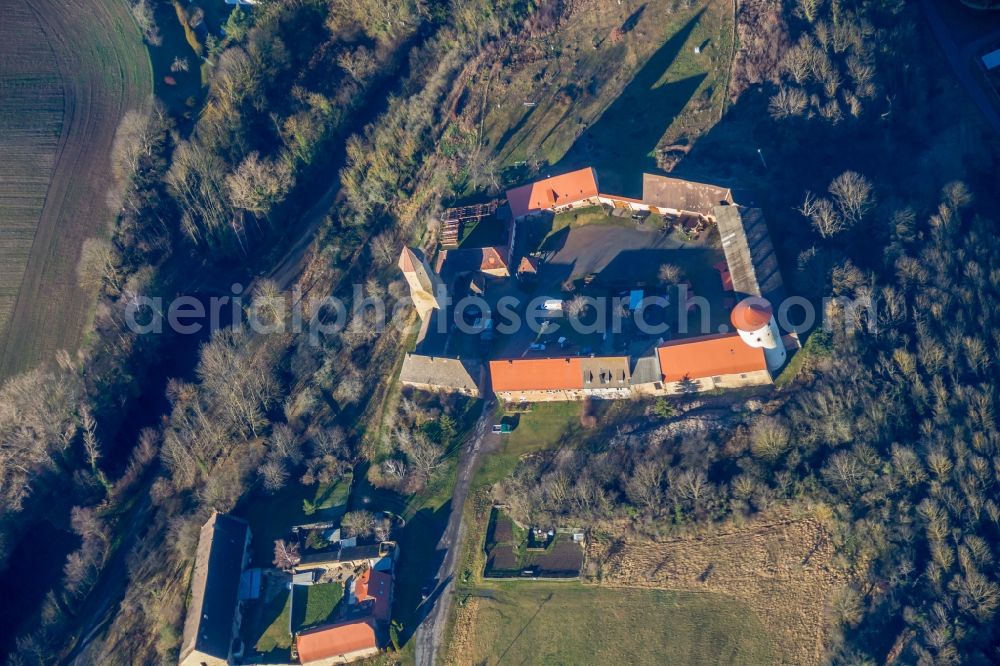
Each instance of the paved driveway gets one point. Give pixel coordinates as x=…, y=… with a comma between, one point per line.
x=620, y=254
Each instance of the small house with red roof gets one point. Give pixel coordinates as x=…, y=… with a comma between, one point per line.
x=338, y=643
x=563, y=192
x=372, y=591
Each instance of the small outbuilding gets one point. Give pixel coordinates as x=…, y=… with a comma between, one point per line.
x=528, y=268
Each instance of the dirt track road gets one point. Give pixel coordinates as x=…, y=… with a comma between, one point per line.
x=430, y=633
x=102, y=601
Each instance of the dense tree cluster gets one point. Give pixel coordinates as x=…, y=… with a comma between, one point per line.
x=267, y=410
x=832, y=67
x=38, y=423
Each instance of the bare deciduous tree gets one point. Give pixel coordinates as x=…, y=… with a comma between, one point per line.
x=285, y=444
x=274, y=475
x=644, y=485
x=350, y=389
x=424, y=456
x=690, y=485
x=810, y=9
x=670, y=273
x=788, y=102
x=577, y=305
x=258, y=184
x=957, y=195
x=824, y=216
x=330, y=441
x=98, y=266
x=394, y=468
x=268, y=305
x=359, y=63
x=358, y=523
x=382, y=529
x=37, y=422
x=769, y=437
x=844, y=471
x=384, y=247
x=142, y=11
x=286, y=555
x=196, y=179
x=854, y=195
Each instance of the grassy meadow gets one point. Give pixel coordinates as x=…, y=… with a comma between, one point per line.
x=543, y=623
x=588, y=94
x=544, y=427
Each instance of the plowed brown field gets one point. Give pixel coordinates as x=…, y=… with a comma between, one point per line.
x=69, y=69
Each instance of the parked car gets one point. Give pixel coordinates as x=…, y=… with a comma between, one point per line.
x=502, y=428
x=536, y=346
x=552, y=305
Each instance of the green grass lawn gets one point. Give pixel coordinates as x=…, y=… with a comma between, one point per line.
x=271, y=517
x=540, y=623
x=590, y=215
x=313, y=605
x=275, y=636
x=267, y=628
x=544, y=427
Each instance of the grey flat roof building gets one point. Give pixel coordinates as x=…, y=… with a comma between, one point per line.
x=666, y=192
x=750, y=255
x=446, y=373
x=646, y=369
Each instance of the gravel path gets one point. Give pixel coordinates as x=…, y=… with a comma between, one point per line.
x=430, y=633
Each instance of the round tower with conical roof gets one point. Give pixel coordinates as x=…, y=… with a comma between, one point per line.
x=754, y=320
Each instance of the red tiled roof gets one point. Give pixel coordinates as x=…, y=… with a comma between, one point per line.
x=556, y=191
x=375, y=586
x=407, y=259
x=492, y=259
x=708, y=356
x=464, y=260
x=334, y=640
x=361, y=586
x=751, y=314
x=537, y=374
